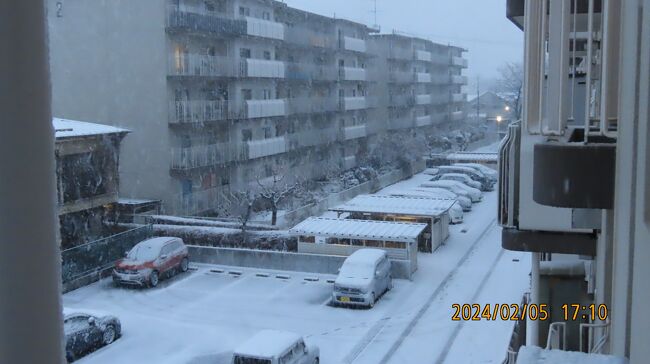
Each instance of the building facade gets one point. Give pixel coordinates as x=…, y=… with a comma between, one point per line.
x=220, y=94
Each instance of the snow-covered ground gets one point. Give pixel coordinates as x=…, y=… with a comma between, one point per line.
x=200, y=316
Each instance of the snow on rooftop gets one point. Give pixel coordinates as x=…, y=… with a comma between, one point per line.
x=267, y=344
x=64, y=128
x=414, y=206
x=359, y=229
x=537, y=355
x=472, y=156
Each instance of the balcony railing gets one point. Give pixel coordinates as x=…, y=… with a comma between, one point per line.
x=352, y=74
x=353, y=103
x=401, y=100
x=458, y=97
x=312, y=137
x=441, y=59
x=202, y=22
x=422, y=77
x=264, y=148
x=459, y=80
x=307, y=105
x=309, y=38
x=423, y=99
x=199, y=111
x=264, y=28
x=399, y=53
x=401, y=76
x=439, y=118
x=354, y=44
x=311, y=72
x=354, y=132
x=195, y=65
x=400, y=123
x=202, y=156
x=419, y=55
x=423, y=120
x=439, y=98
x=459, y=62
x=265, y=108
x=457, y=115
x=196, y=202
x=440, y=79
x=262, y=68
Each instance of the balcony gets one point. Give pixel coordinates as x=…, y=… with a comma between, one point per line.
x=349, y=162
x=457, y=115
x=311, y=72
x=264, y=148
x=441, y=59
x=458, y=97
x=202, y=156
x=198, y=111
x=401, y=54
x=459, y=62
x=354, y=44
x=439, y=79
x=195, y=65
x=264, y=28
x=309, y=38
x=438, y=118
x=423, y=120
x=419, y=55
x=353, y=103
x=422, y=77
x=401, y=100
x=400, y=123
x=352, y=74
x=354, y=132
x=308, y=105
x=201, y=22
x=262, y=68
x=197, y=202
x=423, y=99
x=459, y=80
x=312, y=137
x=265, y=108
x=401, y=77
x=439, y=98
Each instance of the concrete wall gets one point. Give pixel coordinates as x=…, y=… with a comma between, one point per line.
x=309, y=263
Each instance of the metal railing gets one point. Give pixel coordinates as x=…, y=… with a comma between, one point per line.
x=99, y=255
x=204, y=155
x=200, y=201
x=556, y=338
x=203, y=22
x=190, y=64
x=595, y=340
x=311, y=72
x=200, y=111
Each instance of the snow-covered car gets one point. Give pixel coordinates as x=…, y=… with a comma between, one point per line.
x=487, y=171
x=276, y=347
x=151, y=259
x=459, y=177
x=455, y=212
x=431, y=171
x=85, y=331
x=463, y=200
x=454, y=186
x=486, y=183
x=364, y=276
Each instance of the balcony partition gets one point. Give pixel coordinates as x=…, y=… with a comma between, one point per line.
x=264, y=148
x=264, y=28
x=423, y=120
x=354, y=132
x=419, y=55
x=352, y=74
x=262, y=68
x=354, y=44
x=265, y=108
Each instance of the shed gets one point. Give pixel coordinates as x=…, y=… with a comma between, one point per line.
x=434, y=213
x=318, y=235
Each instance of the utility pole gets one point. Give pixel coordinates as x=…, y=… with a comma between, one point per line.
x=375, y=13
x=478, y=99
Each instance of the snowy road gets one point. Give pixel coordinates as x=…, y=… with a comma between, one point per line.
x=201, y=316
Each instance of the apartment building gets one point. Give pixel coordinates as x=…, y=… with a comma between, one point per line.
x=220, y=94
x=574, y=188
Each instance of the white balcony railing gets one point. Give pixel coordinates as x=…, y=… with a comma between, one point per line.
x=198, y=111
x=266, y=108
x=440, y=79
x=354, y=44
x=264, y=28
x=459, y=62
x=353, y=74
x=187, y=204
x=354, y=103
x=307, y=105
x=458, y=97
x=401, y=76
x=423, y=120
x=457, y=115
x=354, y=132
x=423, y=77
x=422, y=56
x=442, y=59
x=262, y=68
x=423, y=99
x=202, y=156
x=189, y=64
x=459, y=80
x=266, y=147
x=440, y=98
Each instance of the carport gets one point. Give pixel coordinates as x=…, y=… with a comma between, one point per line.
x=433, y=213
x=318, y=235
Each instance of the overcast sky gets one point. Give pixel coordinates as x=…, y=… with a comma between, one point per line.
x=477, y=25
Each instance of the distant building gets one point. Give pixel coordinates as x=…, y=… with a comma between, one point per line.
x=87, y=164
x=489, y=106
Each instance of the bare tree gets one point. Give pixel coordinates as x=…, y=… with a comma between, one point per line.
x=241, y=208
x=511, y=81
x=275, y=190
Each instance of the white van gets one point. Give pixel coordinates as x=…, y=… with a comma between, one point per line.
x=276, y=347
x=364, y=276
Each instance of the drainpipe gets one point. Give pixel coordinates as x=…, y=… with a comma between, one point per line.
x=30, y=308
x=532, y=327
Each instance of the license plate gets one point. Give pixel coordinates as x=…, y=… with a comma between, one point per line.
x=344, y=299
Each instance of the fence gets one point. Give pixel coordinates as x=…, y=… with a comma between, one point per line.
x=92, y=258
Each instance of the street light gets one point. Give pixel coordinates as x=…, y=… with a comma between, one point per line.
x=507, y=108
x=499, y=119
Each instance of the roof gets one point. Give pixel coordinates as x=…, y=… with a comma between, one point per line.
x=267, y=344
x=359, y=229
x=64, y=128
x=466, y=156
x=412, y=206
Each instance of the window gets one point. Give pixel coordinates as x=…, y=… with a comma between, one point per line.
x=267, y=55
x=247, y=135
x=247, y=94
x=244, y=11
x=245, y=53
x=266, y=15
x=266, y=94
x=75, y=324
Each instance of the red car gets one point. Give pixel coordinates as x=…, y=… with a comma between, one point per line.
x=150, y=260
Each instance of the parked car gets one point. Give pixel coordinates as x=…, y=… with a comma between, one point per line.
x=85, y=331
x=150, y=260
x=486, y=183
x=276, y=347
x=454, y=186
x=364, y=276
x=463, y=200
x=459, y=177
x=487, y=171
x=455, y=212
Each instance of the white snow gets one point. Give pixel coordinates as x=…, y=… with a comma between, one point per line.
x=267, y=344
x=536, y=355
x=359, y=229
x=64, y=128
x=403, y=205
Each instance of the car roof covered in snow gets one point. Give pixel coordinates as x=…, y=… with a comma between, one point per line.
x=156, y=243
x=267, y=344
x=472, y=157
x=359, y=229
x=65, y=128
x=455, y=175
x=365, y=256
x=396, y=205
x=69, y=312
x=460, y=168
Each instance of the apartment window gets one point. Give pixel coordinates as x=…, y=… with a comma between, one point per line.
x=209, y=6
x=247, y=135
x=267, y=55
x=266, y=94
x=268, y=132
x=245, y=53
x=247, y=94
x=266, y=15
x=244, y=11
x=211, y=51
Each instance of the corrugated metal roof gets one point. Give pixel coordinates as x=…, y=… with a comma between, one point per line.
x=398, y=205
x=359, y=229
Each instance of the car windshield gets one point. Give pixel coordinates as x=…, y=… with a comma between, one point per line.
x=244, y=360
x=143, y=252
x=356, y=270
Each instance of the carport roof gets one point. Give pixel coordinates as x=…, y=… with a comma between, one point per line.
x=359, y=229
x=396, y=205
x=471, y=157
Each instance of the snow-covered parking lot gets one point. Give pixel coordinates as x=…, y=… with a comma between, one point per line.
x=200, y=316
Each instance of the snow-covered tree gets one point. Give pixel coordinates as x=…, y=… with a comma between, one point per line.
x=510, y=83
x=274, y=190
x=241, y=208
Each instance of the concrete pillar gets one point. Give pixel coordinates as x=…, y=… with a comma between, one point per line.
x=532, y=326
